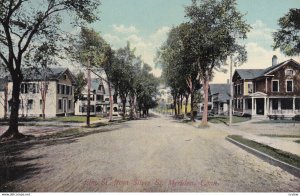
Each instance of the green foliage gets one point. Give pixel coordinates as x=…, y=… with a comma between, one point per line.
x=81, y=82
x=287, y=38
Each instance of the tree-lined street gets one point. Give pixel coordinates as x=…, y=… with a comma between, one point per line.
x=158, y=154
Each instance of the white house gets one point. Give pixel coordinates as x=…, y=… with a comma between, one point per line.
x=99, y=99
x=59, y=101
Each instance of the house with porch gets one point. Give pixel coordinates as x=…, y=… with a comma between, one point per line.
x=219, y=96
x=270, y=92
x=59, y=85
x=99, y=99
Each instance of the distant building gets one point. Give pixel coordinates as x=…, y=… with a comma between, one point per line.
x=219, y=96
x=99, y=99
x=274, y=91
x=218, y=99
x=59, y=98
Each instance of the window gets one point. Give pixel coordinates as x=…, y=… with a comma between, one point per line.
x=275, y=104
x=58, y=89
x=238, y=89
x=98, y=108
x=65, y=76
x=297, y=103
x=30, y=104
x=249, y=101
x=24, y=89
x=289, y=86
x=250, y=87
x=71, y=92
x=69, y=104
x=63, y=89
x=67, y=90
x=289, y=72
x=275, y=85
x=99, y=97
x=59, y=104
x=287, y=104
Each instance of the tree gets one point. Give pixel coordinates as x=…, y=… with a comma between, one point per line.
x=79, y=86
x=121, y=73
x=90, y=46
x=179, y=65
x=287, y=38
x=217, y=25
x=26, y=25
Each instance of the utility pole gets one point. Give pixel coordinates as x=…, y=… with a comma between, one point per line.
x=89, y=94
x=231, y=93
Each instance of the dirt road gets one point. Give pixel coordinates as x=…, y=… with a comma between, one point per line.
x=149, y=155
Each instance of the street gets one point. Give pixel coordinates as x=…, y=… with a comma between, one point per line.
x=156, y=154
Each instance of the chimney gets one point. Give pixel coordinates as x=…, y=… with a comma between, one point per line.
x=274, y=60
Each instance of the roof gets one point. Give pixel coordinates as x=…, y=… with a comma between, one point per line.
x=35, y=74
x=223, y=91
x=256, y=73
x=95, y=82
x=249, y=73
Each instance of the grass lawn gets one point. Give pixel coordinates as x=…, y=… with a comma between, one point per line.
x=276, y=121
x=75, y=119
x=225, y=119
x=275, y=135
x=275, y=153
x=297, y=141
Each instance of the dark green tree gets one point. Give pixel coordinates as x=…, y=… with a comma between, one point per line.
x=216, y=27
x=27, y=26
x=287, y=38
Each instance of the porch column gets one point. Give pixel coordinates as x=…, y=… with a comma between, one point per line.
x=244, y=107
x=265, y=106
x=294, y=104
x=253, y=107
x=279, y=105
x=270, y=106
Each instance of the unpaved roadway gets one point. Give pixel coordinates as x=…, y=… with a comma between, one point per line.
x=157, y=154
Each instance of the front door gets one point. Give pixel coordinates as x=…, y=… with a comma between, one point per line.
x=260, y=106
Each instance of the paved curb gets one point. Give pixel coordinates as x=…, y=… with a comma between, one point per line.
x=273, y=161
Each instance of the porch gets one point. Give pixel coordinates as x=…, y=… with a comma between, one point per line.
x=283, y=107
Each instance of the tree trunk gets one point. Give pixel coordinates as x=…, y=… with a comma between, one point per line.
x=205, y=109
x=175, y=105
x=131, y=107
x=111, y=104
x=181, y=100
x=186, y=103
x=124, y=107
x=178, y=105
x=192, y=107
x=13, y=131
x=5, y=100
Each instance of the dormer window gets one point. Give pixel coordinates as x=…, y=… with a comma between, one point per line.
x=65, y=76
x=289, y=72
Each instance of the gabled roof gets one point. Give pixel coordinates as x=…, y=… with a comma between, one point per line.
x=256, y=73
x=95, y=83
x=223, y=91
x=36, y=74
x=249, y=73
x=275, y=67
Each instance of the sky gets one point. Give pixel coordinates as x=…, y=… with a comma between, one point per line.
x=146, y=23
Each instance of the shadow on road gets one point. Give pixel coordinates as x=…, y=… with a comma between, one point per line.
x=15, y=164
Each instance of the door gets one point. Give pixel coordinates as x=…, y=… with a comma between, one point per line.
x=260, y=106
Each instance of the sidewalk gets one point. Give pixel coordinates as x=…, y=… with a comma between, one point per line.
x=284, y=145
